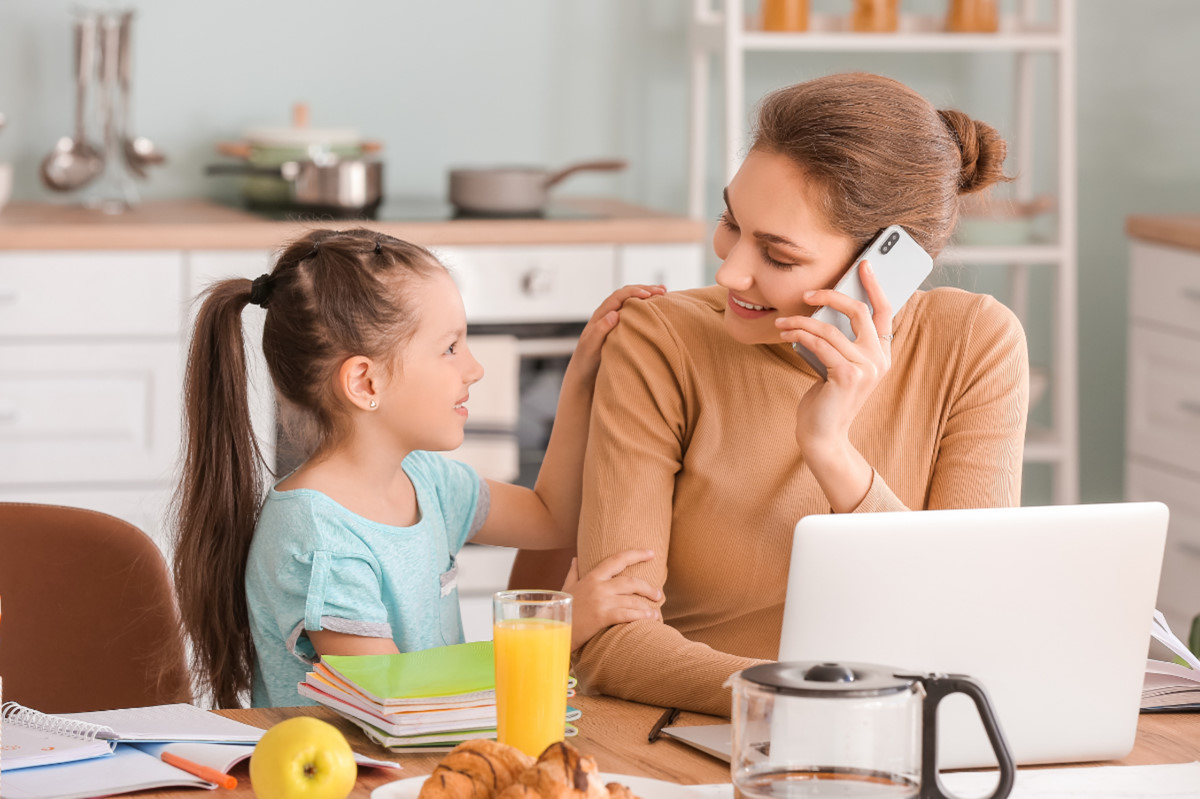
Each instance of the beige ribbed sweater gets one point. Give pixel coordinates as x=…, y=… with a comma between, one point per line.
x=692, y=453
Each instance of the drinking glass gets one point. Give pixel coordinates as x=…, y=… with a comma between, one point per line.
x=532, y=640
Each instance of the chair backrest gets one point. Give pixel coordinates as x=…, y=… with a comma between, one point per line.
x=89, y=620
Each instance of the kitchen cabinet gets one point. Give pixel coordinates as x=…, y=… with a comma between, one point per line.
x=1025, y=35
x=1162, y=431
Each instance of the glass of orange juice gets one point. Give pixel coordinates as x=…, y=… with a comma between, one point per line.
x=532, y=644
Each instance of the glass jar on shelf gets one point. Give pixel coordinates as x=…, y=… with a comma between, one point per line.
x=875, y=16
x=972, y=16
x=785, y=15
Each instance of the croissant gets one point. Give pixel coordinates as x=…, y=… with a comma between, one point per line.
x=563, y=773
x=477, y=769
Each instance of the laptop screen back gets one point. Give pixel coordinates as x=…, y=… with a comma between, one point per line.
x=1049, y=607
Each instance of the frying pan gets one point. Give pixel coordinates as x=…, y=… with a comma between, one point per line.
x=513, y=191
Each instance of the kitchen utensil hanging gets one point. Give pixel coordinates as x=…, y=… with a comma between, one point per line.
x=102, y=51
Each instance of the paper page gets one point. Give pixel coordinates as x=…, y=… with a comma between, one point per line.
x=178, y=722
x=1175, y=781
x=126, y=770
x=24, y=747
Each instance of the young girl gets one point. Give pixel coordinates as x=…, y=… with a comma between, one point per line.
x=353, y=552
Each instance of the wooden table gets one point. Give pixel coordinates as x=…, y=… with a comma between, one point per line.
x=614, y=732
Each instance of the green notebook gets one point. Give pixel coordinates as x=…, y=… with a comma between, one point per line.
x=443, y=671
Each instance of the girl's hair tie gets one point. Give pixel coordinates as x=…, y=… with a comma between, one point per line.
x=260, y=290
x=378, y=247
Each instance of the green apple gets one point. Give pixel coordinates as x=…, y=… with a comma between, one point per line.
x=302, y=758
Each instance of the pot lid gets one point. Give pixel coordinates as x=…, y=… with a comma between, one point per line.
x=829, y=680
x=299, y=134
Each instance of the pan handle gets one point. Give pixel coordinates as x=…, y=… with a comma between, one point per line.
x=611, y=165
x=287, y=170
x=234, y=149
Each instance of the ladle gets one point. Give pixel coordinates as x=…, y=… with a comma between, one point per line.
x=139, y=151
x=74, y=162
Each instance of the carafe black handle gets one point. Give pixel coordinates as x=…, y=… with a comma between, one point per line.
x=938, y=688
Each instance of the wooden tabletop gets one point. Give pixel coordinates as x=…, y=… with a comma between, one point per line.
x=614, y=733
x=204, y=225
x=1173, y=230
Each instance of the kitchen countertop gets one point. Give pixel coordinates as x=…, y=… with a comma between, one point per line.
x=1176, y=230
x=205, y=225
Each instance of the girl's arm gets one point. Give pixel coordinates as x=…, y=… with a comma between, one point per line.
x=547, y=517
x=328, y=642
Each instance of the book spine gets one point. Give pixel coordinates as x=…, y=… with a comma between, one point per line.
x=21, y=716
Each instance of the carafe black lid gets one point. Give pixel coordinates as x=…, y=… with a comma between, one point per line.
x=829, y=680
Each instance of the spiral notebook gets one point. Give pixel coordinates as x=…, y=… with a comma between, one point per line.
x=32, y=738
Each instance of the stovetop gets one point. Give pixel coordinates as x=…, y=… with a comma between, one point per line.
x=413, y=209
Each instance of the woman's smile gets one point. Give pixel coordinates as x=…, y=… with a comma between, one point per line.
x=746, y=309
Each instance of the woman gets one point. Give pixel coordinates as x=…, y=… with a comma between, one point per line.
x=710, y=437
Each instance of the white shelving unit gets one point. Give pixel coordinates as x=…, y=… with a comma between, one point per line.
x=723, y=32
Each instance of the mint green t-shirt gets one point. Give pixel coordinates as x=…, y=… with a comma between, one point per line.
x=314, y=565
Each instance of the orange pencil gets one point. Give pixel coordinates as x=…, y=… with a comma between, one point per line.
x=203, y=772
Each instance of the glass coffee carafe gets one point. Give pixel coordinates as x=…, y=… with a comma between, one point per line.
x=847, y=730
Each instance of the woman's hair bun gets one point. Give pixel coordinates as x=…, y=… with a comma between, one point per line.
x=981, y=148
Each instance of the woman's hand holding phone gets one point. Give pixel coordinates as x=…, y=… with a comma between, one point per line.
x=854, y=369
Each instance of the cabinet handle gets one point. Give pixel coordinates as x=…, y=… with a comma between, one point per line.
x=1190, y=293
x=1191, y=406
x=536, y=281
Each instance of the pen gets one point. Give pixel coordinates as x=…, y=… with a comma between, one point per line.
x=666, y=719
x=203, y=772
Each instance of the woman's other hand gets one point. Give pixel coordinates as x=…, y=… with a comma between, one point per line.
x=603, y=598
x=855, y=368
x=585, y=363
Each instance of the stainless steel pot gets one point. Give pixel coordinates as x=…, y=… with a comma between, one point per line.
x=348, y=184
x=513, y=191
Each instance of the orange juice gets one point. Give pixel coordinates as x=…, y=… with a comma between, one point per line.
x=532, y=660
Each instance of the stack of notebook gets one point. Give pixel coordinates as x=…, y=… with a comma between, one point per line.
x=423, y=701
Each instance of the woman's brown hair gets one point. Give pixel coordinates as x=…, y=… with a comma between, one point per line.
x=881, y=154
x=331, y=295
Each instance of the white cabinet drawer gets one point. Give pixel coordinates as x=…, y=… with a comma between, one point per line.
x=1164, y=398
x=89, y=413
x=1179, y=588
x=676, y=266
x=67, y=294
x=1164, y=286
x=531, y=284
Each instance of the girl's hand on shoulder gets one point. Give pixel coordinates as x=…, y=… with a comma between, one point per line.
x=586, y=360
x=605, y=597
x=855, y=368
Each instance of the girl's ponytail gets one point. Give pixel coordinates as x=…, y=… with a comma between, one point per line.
x=217, y=502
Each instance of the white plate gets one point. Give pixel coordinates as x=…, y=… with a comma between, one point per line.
x=644, y=787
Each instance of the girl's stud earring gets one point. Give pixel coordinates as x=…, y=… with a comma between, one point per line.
x=373, y=405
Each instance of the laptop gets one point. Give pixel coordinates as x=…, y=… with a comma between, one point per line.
x=1049, y=607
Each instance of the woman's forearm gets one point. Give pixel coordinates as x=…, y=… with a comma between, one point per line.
x=560, y=478
x=842, y=472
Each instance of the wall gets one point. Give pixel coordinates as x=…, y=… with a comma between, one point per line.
x=550, y=81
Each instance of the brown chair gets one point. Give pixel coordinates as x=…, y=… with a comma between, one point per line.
x=89, y=618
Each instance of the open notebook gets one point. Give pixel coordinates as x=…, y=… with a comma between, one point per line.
x=39, y=739
x=78, y=755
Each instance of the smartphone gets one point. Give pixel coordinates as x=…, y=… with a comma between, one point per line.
x=900, y=265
